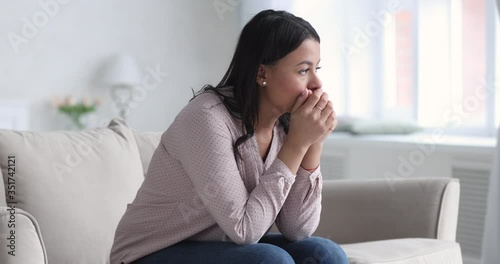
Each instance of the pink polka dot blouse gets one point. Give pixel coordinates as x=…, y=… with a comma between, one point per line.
x=196, y=189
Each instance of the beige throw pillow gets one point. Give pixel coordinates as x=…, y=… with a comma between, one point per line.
x=76, y=185
x=147, y=143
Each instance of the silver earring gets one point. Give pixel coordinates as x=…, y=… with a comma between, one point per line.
x=264, y=83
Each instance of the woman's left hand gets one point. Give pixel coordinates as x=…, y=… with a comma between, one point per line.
x=312, y=157
x=327, y=105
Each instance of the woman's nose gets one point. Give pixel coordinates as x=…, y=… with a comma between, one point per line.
x=314, y=82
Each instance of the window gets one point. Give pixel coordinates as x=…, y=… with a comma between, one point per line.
x=399, y=67
x=439, y=65
x=432, y=61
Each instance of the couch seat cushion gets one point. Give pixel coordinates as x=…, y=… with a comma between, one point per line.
x=404, y=251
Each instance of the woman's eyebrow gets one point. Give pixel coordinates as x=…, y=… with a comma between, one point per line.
x=307, y=62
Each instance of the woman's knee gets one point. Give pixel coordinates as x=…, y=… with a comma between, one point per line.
x=272, y=254
x=321, y=250
x=261, y=253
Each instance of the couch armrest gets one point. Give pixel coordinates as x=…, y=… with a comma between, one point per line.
x=3, y=201
x=376, y=209
x=26, y=241
x=448, y=214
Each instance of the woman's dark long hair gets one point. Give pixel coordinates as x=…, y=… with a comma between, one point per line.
x=266, y=38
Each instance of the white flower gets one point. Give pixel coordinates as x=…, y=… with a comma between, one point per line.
x=70, y=100
x=98, y=101
x=86, y=101
x=56, y=101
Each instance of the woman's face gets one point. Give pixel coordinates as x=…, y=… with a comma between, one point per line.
x=290, y=76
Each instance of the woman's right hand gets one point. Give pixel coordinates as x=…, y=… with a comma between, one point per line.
x=308, y=123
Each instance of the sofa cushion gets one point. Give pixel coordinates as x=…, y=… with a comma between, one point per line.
x=404, y=251
x=383, y=127
x=363, y=126
x=147, y=143
x=76, y=184
x=22, y=234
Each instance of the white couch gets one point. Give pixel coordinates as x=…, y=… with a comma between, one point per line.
x=71, y=189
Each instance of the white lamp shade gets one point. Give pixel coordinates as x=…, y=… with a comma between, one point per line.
x=122, y=70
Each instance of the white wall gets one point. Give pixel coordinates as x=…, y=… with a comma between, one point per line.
x=190, y=40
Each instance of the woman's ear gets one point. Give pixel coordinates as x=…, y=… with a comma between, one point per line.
x=261, y=75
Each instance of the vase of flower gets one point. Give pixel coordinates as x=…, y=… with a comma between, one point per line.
x=76, y=110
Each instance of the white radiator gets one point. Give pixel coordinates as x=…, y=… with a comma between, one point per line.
x=334, y=165
x=474, y=175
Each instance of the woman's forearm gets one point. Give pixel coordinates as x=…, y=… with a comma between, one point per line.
x=299, y=216
x=292, y=155
x=312, y=157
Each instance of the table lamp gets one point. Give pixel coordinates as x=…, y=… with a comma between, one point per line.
x=122, y=74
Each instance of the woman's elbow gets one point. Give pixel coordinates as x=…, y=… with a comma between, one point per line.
x=296, y=236
x=245, y=240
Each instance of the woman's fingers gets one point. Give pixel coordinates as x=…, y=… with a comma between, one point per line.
x=327, y=110
x=313, y=99
x=300, y=100
x=313, y=117
x=330, y=124
x=334, y=125
x=323, y=101
x=331, y=121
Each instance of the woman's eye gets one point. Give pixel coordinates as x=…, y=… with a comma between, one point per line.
x=304, y=71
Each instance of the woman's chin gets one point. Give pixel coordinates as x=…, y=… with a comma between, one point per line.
x=287, y=110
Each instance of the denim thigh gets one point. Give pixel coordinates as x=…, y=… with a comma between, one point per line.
x=312, y=250
x=218, y=252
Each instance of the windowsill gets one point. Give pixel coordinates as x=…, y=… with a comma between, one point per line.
x=442, y=142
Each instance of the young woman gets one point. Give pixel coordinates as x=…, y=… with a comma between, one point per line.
x=238, y=158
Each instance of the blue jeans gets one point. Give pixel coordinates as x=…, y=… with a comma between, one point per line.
x=272, y=248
